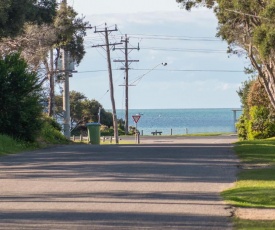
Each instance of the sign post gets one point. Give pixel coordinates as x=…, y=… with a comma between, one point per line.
x=136, y=119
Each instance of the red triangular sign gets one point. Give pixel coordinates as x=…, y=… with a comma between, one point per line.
x=136, y=118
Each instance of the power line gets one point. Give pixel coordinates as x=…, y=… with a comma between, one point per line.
x=175, y=38
x=169, y=37
x=171, y=70
x=186, y=50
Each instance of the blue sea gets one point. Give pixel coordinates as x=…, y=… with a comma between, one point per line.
x=182, y=121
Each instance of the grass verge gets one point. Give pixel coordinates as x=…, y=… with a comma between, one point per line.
x=253, y=225
x=121, y=142
x=206, y=134
x=255, y=187
x=258, y=151
x=8, y=145
x=50, y=134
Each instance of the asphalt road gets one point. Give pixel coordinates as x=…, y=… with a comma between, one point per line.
x=157, y=185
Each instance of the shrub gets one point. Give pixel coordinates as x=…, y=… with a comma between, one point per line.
x=241, y=126
x=259, y=124
x=20, y=108
x=51, y=134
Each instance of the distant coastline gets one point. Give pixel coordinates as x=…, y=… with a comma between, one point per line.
x=182, y=121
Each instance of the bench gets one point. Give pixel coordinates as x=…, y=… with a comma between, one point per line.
x=156, y=133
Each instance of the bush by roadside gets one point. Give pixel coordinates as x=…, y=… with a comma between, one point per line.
x=49, y=134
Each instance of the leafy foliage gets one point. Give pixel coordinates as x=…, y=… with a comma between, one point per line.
x=71, y=31
x=14, y=13
x=258, y=118
x=83, y=110
x=20, y=109
x=51, y=132
x=247, y=26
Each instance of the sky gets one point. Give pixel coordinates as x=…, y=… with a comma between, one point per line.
x=199, y=72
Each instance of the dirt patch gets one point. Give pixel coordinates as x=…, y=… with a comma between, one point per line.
x=255, y=214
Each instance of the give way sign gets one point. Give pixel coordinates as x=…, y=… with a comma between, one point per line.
x=136, y=118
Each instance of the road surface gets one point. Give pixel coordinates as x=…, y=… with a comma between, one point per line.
x=161, y=184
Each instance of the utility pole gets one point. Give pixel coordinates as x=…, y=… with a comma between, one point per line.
x=66, y=95
x=66, y=91
x=106, y=32
x=127, y=51
x=51, y=80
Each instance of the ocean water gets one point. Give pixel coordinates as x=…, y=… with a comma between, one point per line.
x=182, y=121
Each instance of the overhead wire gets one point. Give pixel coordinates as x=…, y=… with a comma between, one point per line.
x=185, y=50
x=170, y=70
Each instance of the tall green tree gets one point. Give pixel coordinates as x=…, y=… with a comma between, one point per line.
x=71, y=31
x=36, y=42
x=258, y=118
x=20, y=105
x=83, y=110
x=15, y=13
x=249, y=27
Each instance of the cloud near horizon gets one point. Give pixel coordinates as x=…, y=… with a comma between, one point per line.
x=199, y=18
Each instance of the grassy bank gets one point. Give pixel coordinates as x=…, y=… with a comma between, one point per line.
x=8, y=145
x=254, y=225
x=258, y=151
x=255, y=187
x=50, y=134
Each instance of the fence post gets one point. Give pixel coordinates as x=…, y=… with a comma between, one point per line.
x=111, y=139
x=171, y=132
x=137, y=135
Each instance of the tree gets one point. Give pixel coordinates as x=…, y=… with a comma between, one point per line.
x=34, y=44
x=258, y=118
x=15, y=13
x=248, y=27
x=70, y=31
x=37, y=41
x=20, y=107
x=83, y=110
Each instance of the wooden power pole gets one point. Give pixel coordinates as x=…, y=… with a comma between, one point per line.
x=126, y=51
x=106, y=32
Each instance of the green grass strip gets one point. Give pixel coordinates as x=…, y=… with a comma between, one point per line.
x=258, y=151
x=8, y=145
x=253, y=225
x=254, y=189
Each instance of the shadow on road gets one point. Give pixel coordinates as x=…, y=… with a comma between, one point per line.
x=55, y=220
x=164, y=165
x=178, y=163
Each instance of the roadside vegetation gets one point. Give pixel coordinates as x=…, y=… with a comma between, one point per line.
x=254, y=225
x=255, y=187
x=30, y=49
x=49, y=134
x=9, y=145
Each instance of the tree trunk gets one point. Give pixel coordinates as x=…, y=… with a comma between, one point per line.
x=267, y=76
